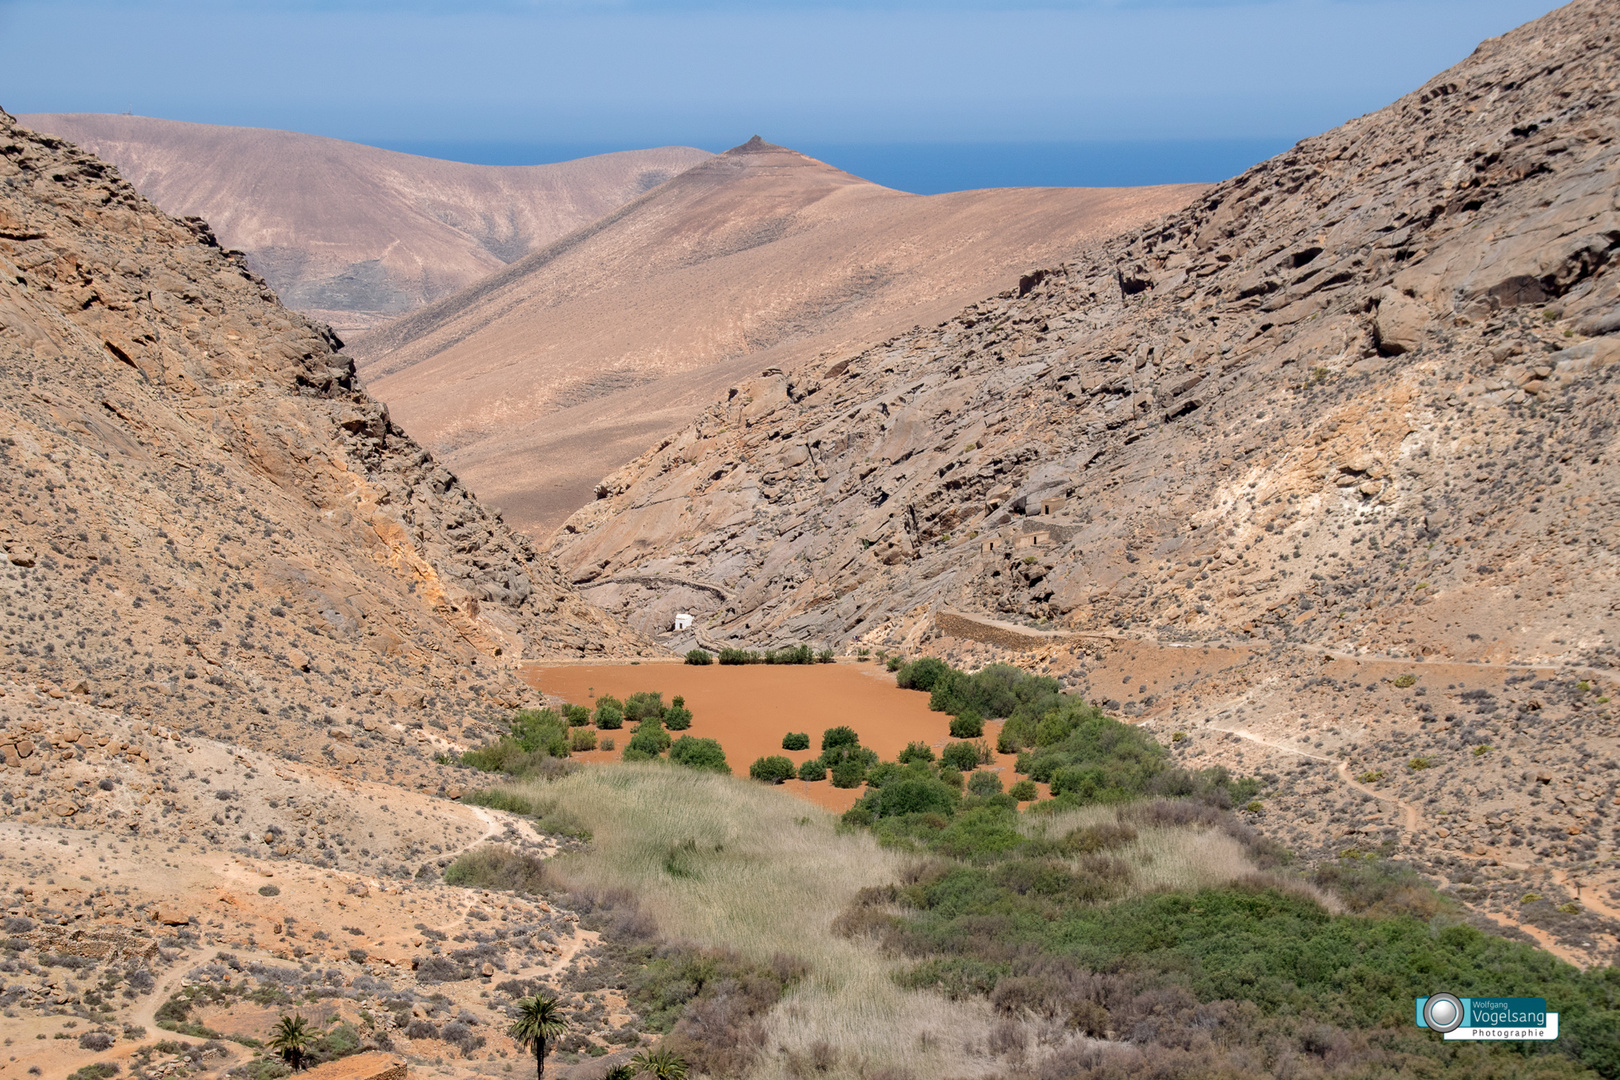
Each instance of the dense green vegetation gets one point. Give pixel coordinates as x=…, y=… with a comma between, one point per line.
x=496, y=867
x=797, y=654
x=796, y=740
x=535, y=736
x=1025, y=932
x=1201, y=980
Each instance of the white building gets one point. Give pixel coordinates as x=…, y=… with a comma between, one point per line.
x=683, y=621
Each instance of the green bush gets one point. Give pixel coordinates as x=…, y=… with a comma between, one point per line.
x=609, y=713
x=649, y=738
x=796, y=740
x=849, y=773
x=983, y=783
x=965, y=756
x=968, y=725
x=96, y=1070
x=269, y=890
x=704, y=754
x=534, y=735
x=916, y=751
x=951, y=775
x=774, y=769
x=915, y=789
x=813, y=770
x=582, y=739
x=837, y=737
x=740, y=656
x=922, y=674
x=699, y=657
x=678, y=717
x=894, y=663
x=644, y=705
x=1023, y=791
x=496, y=867
x=577, y=715
x=826, y=656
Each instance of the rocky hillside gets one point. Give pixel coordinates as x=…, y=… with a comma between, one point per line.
x=356, y=235
x=1360, y=396
x=574, y=360
x=204, y=521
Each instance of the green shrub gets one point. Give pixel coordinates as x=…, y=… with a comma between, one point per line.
x=837, y=737
x=772, y=770
x=649, y=738
x=678, y=717
x=534, y=736
x=577, y=715
x=699, y=657
x=704, y=754
x=609, y=713
x=984, y=783
x=813, y=770
x=894, y=663
x=740, y=656
x=1404, y=681
x=96, y=1070
x=951, y=775
x=798, y=654
x=969, y=725
x=644, y=705
x=916, y=751
x=269, y=890
x=922, y=674
x=796, y=740
x=582, y=739
x=496, y=867
x=849, y=773
x=916, y=789
x=826, y=656
x=964, y=756
x=1023, y=791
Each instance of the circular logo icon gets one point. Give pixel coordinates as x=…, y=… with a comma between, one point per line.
x=1443, y=1013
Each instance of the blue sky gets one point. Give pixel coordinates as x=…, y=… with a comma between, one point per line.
x=594, y=75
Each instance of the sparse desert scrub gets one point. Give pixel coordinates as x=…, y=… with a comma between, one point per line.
x=764, y=875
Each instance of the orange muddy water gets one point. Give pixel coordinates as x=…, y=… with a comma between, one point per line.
x=748, y=710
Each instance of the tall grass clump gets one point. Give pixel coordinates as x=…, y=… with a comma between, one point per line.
x=722, y=862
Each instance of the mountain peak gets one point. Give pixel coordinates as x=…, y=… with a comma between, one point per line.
x=756, y=145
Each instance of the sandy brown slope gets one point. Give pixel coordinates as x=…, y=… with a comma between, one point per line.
x=352, y=234
x=1362, y=395
x=760, y=256
x=203, y=519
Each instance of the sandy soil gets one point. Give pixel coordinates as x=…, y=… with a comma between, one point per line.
x=749, y=709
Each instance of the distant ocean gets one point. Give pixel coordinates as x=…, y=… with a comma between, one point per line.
x=930, y=168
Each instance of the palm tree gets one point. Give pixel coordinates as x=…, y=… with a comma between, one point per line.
x=660, y=1063
x=291, y=1038
x=539, y=1019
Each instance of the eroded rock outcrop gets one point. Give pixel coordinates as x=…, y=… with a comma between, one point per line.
x=1362, y=395
x=203, y=518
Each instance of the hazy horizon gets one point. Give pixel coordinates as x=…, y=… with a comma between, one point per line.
x=913, y=92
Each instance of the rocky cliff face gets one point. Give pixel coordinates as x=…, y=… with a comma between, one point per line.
x=1362, y=396
x=203, y=518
